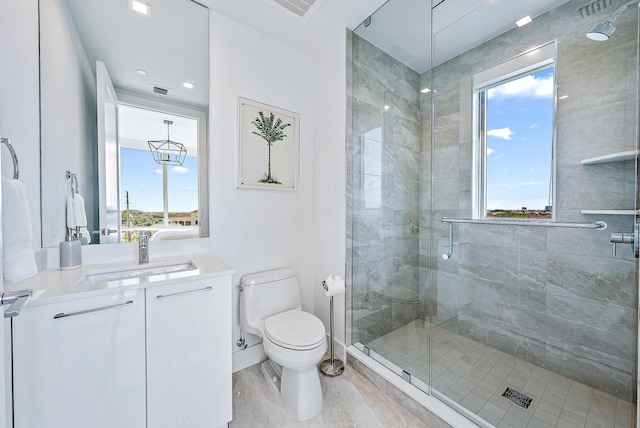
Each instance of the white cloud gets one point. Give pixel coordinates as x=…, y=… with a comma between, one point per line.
x=158, y=171
x=534, y=125
x=180, y=170
x=489, y=151
x=526, y=87
x=504, y=133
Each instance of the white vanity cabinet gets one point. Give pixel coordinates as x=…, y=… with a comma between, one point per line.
x=151, y=356
x=189, y=354
x=81, y=362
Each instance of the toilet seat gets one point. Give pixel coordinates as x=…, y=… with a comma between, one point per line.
x=295, y=329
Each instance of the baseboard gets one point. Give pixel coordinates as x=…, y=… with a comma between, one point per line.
x=339, y=349
x=248, y=357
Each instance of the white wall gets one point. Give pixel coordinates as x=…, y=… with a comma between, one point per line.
x=330, y=196
x=255, y=230
x=19, y=97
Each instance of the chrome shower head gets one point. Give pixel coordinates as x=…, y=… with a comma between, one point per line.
x=603, y=30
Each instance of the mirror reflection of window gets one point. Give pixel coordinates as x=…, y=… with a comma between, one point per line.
x=514, y=148
x=372, y=169
x=144, y=207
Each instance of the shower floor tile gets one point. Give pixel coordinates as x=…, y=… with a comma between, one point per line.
x=475, y=375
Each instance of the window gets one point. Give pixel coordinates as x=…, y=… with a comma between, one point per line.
x=514, y=107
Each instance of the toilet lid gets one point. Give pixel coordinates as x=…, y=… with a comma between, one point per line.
x=295, y=329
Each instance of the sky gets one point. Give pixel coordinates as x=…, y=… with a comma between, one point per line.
x=519, y=142
x=142, y=177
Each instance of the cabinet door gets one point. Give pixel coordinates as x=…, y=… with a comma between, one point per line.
x=189, y=354
x=80, y=363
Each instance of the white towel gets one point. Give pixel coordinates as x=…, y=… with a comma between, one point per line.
x=77, y=216
x=18, y=260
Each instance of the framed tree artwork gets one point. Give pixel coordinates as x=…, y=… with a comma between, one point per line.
x=267, y=146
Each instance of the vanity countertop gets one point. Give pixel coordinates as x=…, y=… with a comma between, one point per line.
x=55, y=284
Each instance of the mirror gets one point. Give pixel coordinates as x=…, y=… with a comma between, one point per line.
x=114, y=79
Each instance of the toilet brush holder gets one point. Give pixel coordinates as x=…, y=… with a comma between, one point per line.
x=331, y=367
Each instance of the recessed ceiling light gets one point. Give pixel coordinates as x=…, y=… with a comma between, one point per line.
x=188, y=85
x=387, y=107
x=563, y=97
x=425, y=90
x=141, y=72
x=524, y=21
x=140, y=7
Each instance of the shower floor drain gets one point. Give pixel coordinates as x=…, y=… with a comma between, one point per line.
x=517, y=397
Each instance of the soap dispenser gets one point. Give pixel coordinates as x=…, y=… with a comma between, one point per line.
x=70, y=251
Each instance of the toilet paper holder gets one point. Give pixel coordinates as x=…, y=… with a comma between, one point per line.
x=332, y=366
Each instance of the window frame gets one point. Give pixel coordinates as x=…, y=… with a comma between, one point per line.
x=527, y=63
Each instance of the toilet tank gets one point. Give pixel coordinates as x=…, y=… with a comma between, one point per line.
x=265, y=294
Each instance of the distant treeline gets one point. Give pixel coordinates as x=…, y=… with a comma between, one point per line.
x=143, y=218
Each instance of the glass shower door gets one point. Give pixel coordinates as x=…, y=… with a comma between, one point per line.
x=388, y=284
x=533, y=324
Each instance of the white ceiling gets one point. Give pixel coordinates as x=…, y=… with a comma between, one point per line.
x=172, y=45
x=138, y=125
x=402, y=28
x=330, y=16
x=301, y=10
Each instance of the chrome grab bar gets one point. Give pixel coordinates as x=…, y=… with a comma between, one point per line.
x=598, y=225
x=88, y=311
x=17, y=300
x=164, y=296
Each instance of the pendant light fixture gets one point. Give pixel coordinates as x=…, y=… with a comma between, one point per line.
x=167, y=152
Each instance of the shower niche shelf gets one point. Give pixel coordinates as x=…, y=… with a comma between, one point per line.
x=611, y=157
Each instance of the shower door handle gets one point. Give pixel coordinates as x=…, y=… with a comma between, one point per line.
x=447, y=255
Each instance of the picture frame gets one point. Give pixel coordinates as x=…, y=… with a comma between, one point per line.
x=268, y=146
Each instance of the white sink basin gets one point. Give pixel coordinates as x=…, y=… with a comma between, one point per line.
x=135, y=272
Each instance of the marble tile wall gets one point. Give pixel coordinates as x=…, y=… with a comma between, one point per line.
x=384, y=150
x=555, y=297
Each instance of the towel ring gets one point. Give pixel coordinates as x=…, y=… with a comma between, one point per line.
x=14, y=158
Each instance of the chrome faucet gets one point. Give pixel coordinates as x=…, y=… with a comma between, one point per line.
x=143, y=248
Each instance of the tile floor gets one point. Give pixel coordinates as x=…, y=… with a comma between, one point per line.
x=475, y=375
x=349, y=401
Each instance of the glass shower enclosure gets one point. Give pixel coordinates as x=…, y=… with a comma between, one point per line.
x=493, y=205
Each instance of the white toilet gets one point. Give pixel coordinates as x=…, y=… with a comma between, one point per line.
x=294, y=340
